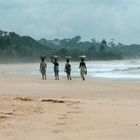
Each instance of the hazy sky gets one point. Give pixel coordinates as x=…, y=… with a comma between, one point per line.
x=118, y=19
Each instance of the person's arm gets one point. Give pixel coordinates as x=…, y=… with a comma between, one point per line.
x=40, y=65
x=40, y=68
x=79, y=65
x=85, y=68
x=65, y=68
x=70, y=67
x=52, y=60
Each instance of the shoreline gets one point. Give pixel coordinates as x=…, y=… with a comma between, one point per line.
x=122, y=70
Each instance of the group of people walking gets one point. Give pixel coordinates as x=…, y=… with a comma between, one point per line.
x=67, y=68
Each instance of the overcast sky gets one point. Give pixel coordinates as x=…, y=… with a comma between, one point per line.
x=118, y=19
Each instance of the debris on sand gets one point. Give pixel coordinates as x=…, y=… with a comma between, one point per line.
x=23, y=99
x=52, y=101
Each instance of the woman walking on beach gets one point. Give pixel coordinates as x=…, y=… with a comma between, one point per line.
x=54, y=60
x=43, y=67
x=83, y=68
x=68, y=68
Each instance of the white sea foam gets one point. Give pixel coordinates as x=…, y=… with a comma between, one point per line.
x=102, y=69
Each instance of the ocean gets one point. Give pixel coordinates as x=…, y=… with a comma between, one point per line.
x=120, y=69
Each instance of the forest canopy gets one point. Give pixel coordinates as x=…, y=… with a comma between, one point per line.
x=14, y=47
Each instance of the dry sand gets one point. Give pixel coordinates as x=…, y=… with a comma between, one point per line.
x=32, y=109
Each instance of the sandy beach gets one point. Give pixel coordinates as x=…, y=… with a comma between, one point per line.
x=31, y=108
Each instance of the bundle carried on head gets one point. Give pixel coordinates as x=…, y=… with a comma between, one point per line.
x=82, y=56
x=68, y=57
x=42, y=57
x=55, y=57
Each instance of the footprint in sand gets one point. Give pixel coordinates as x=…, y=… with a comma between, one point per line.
x=73, y=112
x=38, y=110
x=58, y=131
x=73, y=104
x=61, y=124
x=77, y=107
x=61, y=118
x=3, y=118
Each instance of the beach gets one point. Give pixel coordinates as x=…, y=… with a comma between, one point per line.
x=99, y=109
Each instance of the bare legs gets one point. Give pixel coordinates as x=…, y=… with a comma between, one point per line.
x=56, y=76
x=43, y=76
x=82, y=72
x=68, y=76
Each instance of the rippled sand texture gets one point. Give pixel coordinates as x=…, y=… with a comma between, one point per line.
x=68, y=110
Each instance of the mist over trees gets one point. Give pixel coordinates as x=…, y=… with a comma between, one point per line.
x=14, y=47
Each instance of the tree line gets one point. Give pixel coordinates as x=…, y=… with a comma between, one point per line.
x=14, y=47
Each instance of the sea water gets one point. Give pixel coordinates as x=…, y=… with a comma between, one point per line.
x=122, y=69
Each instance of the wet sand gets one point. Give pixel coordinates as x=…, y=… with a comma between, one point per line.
x=31, y=108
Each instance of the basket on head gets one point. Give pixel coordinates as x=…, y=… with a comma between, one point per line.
x=42, y=57
x=55, y=57
x=82, y=56
x=68, y=57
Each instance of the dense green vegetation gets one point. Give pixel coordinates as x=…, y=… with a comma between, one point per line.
x=14, y=47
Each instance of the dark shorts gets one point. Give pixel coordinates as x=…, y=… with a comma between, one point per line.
x=56, y=70
x=43, y=71
x=68, y=72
